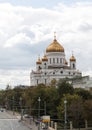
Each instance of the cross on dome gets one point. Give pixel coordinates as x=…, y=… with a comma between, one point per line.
x=54, y=35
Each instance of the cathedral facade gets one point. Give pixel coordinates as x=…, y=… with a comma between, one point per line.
x=53, y=66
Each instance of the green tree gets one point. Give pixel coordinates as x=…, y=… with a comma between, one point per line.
x=74, y=109
x=88, y=110
x=85, y=94
x=64, y=87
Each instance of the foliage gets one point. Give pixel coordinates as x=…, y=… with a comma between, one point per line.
x=88, y=110
x=64, y=87
x=85, y=94
x=79, y=101
x=74, y=108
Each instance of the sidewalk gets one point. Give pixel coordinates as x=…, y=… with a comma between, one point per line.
x=14, y=114
x=30, y=123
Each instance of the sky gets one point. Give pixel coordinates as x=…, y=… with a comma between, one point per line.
x=27, y=28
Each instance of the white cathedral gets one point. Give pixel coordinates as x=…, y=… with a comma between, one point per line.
x=53, y=66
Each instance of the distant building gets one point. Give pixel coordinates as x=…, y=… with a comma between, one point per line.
x=54, y=66
x=84, y=82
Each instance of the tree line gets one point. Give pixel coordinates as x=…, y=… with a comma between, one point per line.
x=78, y=106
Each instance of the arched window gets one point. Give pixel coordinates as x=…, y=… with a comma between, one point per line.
x=61, y=72
x=50, y=60
x=57, y=60
x=60, y=60
x=53, y=60
x=37, y=81
x=39, y=67
x=73, y=65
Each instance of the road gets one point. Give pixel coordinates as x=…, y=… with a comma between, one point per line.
x=11, y=122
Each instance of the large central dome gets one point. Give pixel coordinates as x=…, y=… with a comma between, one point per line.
x=55, y=47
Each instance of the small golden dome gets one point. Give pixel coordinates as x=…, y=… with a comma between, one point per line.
x=66, y=62
x=44, y=58
x=72, y=58
x=39, y=61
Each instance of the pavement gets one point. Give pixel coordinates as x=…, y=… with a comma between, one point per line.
x=26, y=121
x=8, y=121
x=29, y=122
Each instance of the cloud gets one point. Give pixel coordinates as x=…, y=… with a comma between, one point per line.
x=19, y=38
x=14, y=78
x=25, y=32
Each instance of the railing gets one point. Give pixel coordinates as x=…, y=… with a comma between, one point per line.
x=60, y=126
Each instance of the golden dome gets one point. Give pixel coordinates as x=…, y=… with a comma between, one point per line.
x=44, y=58
x=72, y=58
x=55, y=47
x=39, y=61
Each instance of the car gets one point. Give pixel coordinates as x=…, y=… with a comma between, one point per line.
x=26, y=116
x=2, y=110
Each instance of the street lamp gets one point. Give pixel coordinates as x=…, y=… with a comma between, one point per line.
x=21, y=108
x=65, y=116
x=13, y=106
x=39, y=100
x=44, y=107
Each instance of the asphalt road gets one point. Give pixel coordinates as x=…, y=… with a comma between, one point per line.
x=10, y=122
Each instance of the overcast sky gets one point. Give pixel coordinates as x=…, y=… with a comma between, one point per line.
x=27, y=27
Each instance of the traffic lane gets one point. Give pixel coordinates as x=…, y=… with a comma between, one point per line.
x=12, y=124
x=6, y=115
x=8, y=121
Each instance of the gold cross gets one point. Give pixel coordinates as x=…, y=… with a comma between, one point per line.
x=54, y=35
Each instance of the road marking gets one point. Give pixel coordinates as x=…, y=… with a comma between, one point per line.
x=8, y=119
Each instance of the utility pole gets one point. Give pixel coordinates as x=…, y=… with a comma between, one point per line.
x=65, y=117
x=13, y=106
x=21, y=108
x=39, y=100
x=44, y=107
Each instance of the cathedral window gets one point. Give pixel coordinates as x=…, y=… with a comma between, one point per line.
x=39, y=67
x=37, y=81
x=57, y=60
x=73, y=65
x=60, y=60
x=53, y=72
x=61, y=72
x=69, y=73
x=45, y=73
x=53, y=60
x=50, y=60
x=45, y=65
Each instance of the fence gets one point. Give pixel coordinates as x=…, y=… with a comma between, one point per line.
x=60, y=126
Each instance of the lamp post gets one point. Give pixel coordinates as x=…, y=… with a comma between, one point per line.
x=39, y=100
x=44, y=107
x=65, y=115
x=21, y=108
x=13, y=106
